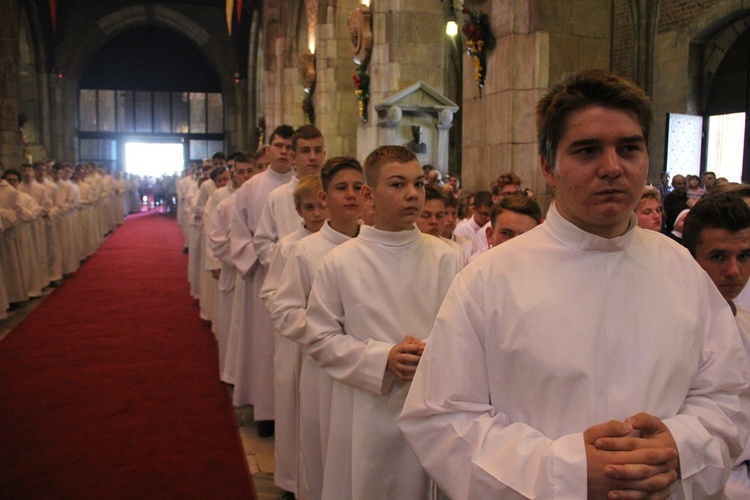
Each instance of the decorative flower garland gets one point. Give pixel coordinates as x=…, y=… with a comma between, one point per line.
x=479, y=40
x=362, y=90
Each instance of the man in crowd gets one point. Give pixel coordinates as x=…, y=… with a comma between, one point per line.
x=675, y=202
x=528, y=386
x=717, y=233
x=255, y=347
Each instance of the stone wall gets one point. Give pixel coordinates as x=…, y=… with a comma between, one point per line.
x=537, y=43
x=622, y=41
x=10, y=145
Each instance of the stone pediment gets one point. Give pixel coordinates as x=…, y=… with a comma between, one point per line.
x=418, y=97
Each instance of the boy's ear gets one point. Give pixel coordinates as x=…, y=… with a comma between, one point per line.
x=367, y=193
x=322, y=197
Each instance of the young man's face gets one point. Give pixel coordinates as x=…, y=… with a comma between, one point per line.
x=725, y=256
x=28, y=175
x=397, y=195
x=648, y=212
x=39, y=173
x=261, y=164
x=506, y=190
x=482, y=214
x=309, y=157
x=432, y=219
x=344, y=195
x=13, y=180
x=67, y=172
x=279, y=153
x=57, y=175
x=508, y=225
x=449, y=221
x=218, y=162
x=709, y=180
x=222, y=179
x=242, y=172
x=313, y=211
x=600, y=170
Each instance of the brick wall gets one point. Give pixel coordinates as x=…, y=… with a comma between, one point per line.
x=622, y=41
x=677, y=13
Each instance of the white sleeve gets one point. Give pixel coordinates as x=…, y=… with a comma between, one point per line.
x=266, y=234
x=241, y=240
x=711, y=428
x=465, y=444
x=355, y=362
x=217, y=232
x=271, y=283
x=290, y=304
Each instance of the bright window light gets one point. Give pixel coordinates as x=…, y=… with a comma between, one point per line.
x=153, y=159
x=726, y=141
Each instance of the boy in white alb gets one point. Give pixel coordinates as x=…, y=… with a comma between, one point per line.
x=717, y=233
x=256, y=345
x=342, y=180
x=280, y=216
x=372, y=303
x=288, y=355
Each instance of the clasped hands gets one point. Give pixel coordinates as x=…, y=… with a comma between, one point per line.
x=403, y=358
x=633, y=459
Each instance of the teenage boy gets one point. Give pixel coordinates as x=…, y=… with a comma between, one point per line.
x=450, y=221
x=342, y=181
x=717, y=233
x=219, y=240
x=255, y=346
x=432, y=218
x=288, y=354
x=279, y=216
x=469, y=228
x=512, y=216
x=540, y=382
x=372, y=304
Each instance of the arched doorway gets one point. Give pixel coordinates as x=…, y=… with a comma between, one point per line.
x=149, y=85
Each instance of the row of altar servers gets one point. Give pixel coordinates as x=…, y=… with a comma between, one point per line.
x=47, y=228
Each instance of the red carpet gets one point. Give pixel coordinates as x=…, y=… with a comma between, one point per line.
x=110, y=388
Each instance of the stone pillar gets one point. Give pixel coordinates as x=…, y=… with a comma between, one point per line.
x=10, y=145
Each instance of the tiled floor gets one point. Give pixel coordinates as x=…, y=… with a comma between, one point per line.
x=258, y=451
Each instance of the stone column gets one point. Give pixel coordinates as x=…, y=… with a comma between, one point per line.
x=10, y=145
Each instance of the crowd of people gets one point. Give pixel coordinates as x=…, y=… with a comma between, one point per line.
x=52, y=217
x=398, y=336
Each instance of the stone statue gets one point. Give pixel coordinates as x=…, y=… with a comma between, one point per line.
x=417, y=145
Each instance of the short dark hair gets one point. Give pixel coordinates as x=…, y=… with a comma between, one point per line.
x=721, y=211
x=10, y=171
x=215, y=173
x=385, y=154
x=581, y=90
x=219, y=156
x=519, y=203
x=235, y=155
x=451, y=201
x=433, y=193
x=504, y=180
x=732, y=189
x=335, y=165
x=482, y=199
x=306, y=132
x=283, y=131
x=243, y=158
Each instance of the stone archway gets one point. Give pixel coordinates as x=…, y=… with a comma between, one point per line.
x=686, y=57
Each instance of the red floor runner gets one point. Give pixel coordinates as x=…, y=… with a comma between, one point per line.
x=110, y=388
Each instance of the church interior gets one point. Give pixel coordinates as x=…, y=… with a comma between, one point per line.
x=456, y=81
